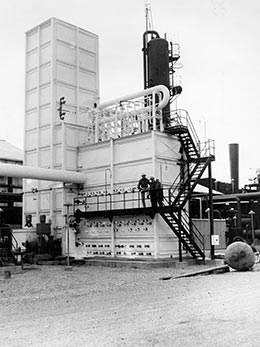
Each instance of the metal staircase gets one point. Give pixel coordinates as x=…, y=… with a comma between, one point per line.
x=195, y=159
x=187, y=233
x=184, y=185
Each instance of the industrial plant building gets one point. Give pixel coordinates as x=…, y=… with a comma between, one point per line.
x=83, y=158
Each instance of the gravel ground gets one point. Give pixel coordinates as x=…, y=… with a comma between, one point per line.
x=102, y=306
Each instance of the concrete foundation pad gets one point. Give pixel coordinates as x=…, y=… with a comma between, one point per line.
x=158, y=263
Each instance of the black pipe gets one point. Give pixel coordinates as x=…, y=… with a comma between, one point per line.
x=233, y=197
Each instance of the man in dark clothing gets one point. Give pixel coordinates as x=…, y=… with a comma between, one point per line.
x=143, y=186
x=159, y=192
x=153, y=192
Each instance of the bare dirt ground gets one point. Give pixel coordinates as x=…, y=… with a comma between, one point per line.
x=102, y=306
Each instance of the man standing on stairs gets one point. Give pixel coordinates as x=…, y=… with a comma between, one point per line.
x=143, y=186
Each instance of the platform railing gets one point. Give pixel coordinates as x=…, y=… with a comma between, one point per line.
x=180, y=117
x=106, y=201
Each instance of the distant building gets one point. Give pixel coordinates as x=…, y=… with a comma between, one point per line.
x=10, y=187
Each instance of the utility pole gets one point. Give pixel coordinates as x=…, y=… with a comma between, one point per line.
x=211, y=214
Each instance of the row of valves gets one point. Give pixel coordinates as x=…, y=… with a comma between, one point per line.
x=126, y=222
x=119, y=223
x=104, y=193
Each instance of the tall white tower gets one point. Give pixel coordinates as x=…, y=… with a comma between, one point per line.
x=61, y=61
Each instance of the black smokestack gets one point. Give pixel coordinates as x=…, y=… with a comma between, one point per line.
x=234, y=166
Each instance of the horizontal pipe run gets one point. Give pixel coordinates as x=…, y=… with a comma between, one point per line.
x=157, y=89
x=235, y=197
x=32, y=172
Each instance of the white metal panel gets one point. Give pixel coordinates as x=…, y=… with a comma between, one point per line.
x=31, y=138
x=44, y=136
x=66, y=53
x=44, y=157
x=168, y=170
x=66, y=73
x=87, y=98
x=31, y=99
x=32, y=39
x=28, y=184
x=87, y=80
x=69, y=92
x=71, y=137
x=31, y=202
x=57, y=135
x=168, y=243
x=45, y=33
x=31, y=158
x=31, y=120
x=87, y=60
x=96, y=178
x=44, y=201
x=45, y=94
x=95, y=156
x=133, y=171
x=32, y=79
x=65, y=32
x=129, y=149
x=58, y=200
x=32, y=60
x=57, y=155
x=45, y=74
x=87, y=41
x=45, y=54
x=45, y=115
x=71, y=160
x=46, y=185
x=167, y=146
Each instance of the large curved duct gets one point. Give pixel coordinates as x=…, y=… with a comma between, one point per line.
x=146, y=92
x=10, y=170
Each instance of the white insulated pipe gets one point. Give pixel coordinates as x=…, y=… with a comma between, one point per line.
x=32, y=172
x=157, y=89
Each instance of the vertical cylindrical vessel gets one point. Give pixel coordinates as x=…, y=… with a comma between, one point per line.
x=158, y=67
x=234, y=166
x=158, y=62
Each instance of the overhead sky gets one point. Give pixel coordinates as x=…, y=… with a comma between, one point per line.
x=220, y=54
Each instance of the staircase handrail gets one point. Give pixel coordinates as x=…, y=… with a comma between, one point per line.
x=207, y=148
x=183, y=171
x=190, y=179
x=12, y=240
x=184, y=233
x=15, y=244
x=181, y=117
x=197, y=234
